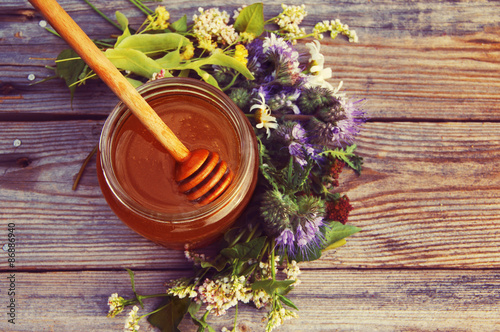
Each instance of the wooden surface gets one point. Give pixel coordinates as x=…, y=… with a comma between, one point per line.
x=428, y=199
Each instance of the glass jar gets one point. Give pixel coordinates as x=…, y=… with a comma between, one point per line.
x=136, y=174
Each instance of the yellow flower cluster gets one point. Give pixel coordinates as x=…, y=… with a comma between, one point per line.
x=241, y=54
x=159, y=19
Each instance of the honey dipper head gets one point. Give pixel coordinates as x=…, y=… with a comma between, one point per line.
x=203, y=176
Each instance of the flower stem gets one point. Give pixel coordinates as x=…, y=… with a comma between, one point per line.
x=84, y=165
x=141, y=7
x=152, y=296
x=235, y=317
x=273, y=272
x=103, y=15
x=230, y=83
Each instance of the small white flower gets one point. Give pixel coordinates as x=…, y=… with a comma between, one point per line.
x=263, y=116
x=319, y=74
x=116, y=305
x=131, y=324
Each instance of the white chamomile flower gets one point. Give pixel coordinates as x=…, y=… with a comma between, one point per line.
x=263, y=116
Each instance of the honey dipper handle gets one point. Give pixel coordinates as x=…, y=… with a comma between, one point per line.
x=95, y=58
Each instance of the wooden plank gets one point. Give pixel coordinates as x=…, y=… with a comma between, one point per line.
x=342, y=300
x=415, y=60
x=429, y=196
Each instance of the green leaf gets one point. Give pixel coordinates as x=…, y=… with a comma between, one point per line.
x=132, y=281
x=337, y=231
x=221, y=59
x=133, y=60
x=123, y=21
x=69, y=66
x=335, y=245
x=207, y=77
x=170, y=60
x=270, y=286
x=218, y=263
x=218, y=59
x=347, y=155
x=251, y=20
x=180, y=25
x=246, y=250
x=287, y=301
x=135, y=83
x=153, y=43
x=169, y=318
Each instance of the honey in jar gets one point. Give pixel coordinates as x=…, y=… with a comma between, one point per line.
x=136, y=174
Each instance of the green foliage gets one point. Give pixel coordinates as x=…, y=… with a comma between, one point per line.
x=180, y=25
x=168, y=318
x=245, y=250
x=270, y=286
x=347, y=155
x=200, y=322
x=133, y=61
x=71, y=68
x=337, y=231
x=251, y=20
x=154, y=43
x=287, y=301
x=123, y=21
x=132, y=281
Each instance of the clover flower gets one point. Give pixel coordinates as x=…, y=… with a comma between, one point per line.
x=211, y=27
x=132, y=322
x=263, y=116
x=116, y=305
x=335, y=27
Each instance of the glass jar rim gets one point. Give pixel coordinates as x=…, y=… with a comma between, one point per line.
x=239, y=185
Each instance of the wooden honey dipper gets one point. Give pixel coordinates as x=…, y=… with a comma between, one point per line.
x=201, y=175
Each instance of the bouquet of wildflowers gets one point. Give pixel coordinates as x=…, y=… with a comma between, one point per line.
x=305, y=128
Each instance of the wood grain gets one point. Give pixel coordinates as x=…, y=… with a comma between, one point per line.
x=415, y=60
x=350, y=301
x=428, y=199
x=429, y=196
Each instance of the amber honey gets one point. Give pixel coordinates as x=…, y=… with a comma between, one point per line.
x=136, y=174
